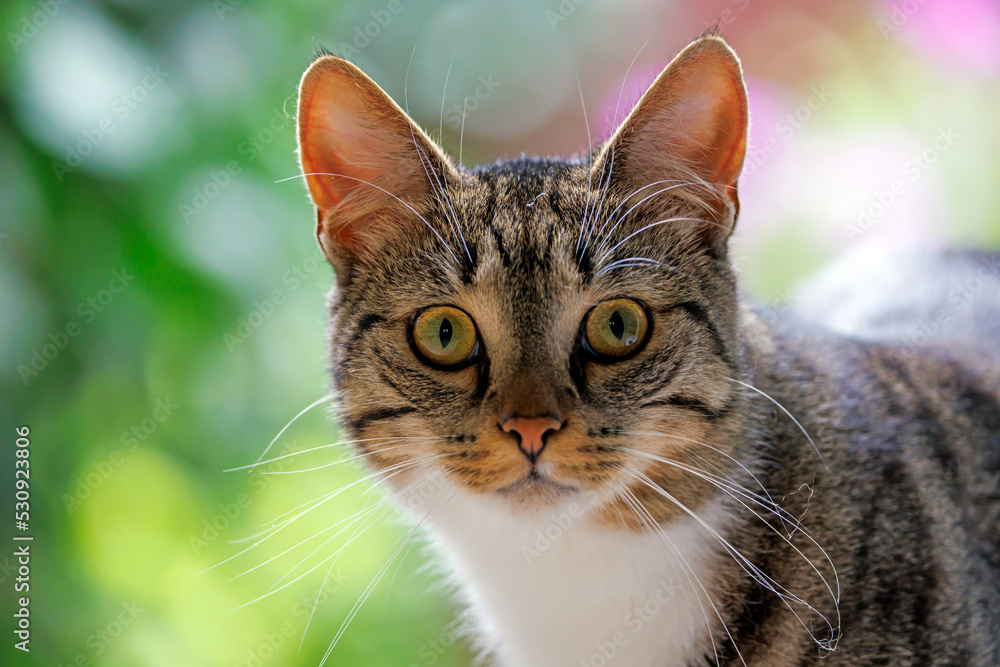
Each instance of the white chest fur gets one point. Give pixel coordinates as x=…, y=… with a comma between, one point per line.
x=559, y=591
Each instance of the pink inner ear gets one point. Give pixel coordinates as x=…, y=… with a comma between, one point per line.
x=335, y=141
x=697, y=112
x=727, y=104
x=349, y=128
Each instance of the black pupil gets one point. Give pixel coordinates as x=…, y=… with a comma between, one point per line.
x=617, y=325
x=444, y=333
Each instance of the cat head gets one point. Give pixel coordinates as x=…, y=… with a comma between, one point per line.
x=536, y=329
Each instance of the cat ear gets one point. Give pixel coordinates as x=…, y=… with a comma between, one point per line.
x=365, y=162
x=691, y=122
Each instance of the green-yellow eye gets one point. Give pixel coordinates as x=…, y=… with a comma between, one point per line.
x=444, y=336
x=616, y=328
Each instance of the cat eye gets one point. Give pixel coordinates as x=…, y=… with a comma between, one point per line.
x=615, y=329
x=444, y=336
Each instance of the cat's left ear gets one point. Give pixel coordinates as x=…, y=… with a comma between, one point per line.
x=691, y=124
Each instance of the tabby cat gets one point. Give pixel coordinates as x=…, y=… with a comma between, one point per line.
x=621, y=461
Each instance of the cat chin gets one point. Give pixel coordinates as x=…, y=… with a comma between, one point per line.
x=536, y=491
x=530, y=499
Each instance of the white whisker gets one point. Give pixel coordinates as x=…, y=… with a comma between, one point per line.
x=732, y=490
x=624, y=215
x=611, y=157
x=603, y=185
x=371, y=587
x=621, y=91
x=631, y=262
x=628, y=198
x=275, y=588
x=273, y=530
x=384, y=191
x=708, y=446
x=754, y=572
x=444, y=96
x=590, y=155
x=649, y=226
x=782, y=408
x=349, y=520
x=332, y=463
x=465, y=110
x=340, y=443
x=285, y=428
x=425, y=161
x=654, y=528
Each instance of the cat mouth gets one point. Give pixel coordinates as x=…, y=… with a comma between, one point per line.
x=536, y=484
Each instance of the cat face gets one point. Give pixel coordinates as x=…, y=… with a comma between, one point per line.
x=534, y=330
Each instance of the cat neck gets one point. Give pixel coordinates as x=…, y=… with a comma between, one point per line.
x=562, y=590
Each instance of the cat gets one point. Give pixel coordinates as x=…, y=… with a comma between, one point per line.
x=627, y=463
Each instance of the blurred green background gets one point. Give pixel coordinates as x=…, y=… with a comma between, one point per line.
x=161, y=298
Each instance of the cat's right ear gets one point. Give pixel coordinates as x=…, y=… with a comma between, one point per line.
x=365, y=162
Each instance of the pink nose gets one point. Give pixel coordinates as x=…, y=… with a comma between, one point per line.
x=531, y=432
